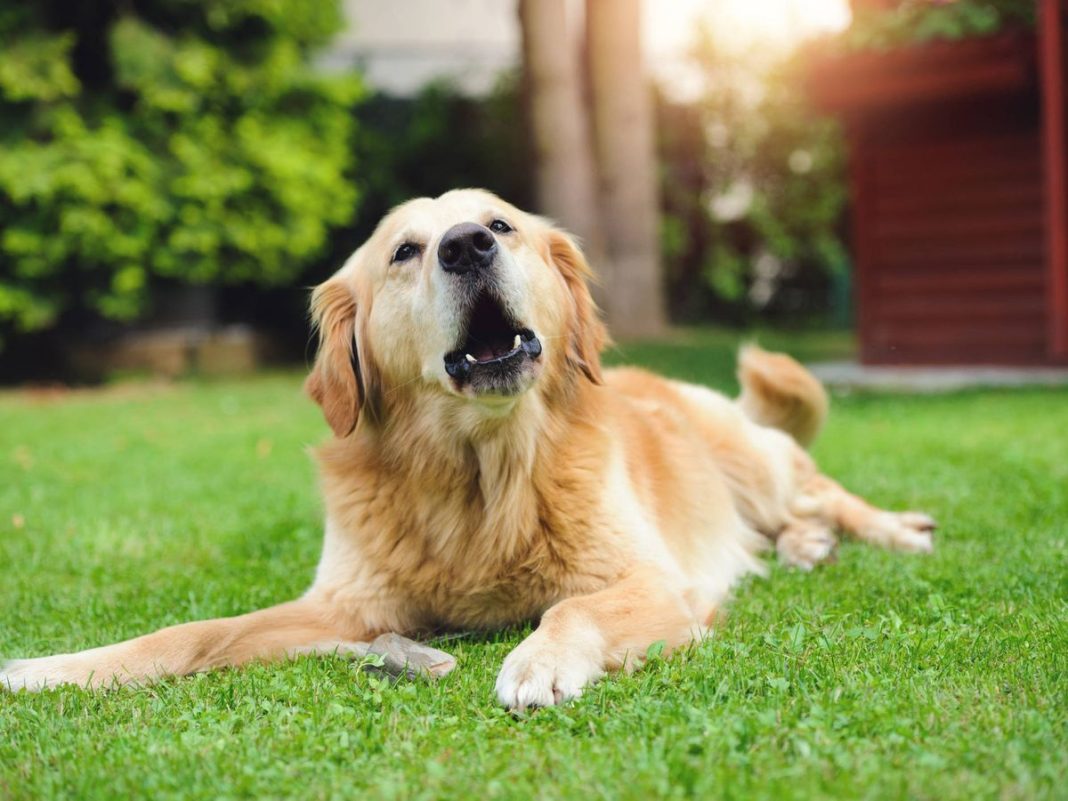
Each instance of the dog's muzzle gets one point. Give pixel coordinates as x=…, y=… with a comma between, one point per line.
x=495, y=351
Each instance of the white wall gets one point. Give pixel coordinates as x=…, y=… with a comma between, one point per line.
x=400, y=45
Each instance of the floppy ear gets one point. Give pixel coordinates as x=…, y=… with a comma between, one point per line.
x=588, y=335
x=335, y=382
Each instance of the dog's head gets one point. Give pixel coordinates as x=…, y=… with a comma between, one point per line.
x=463, y=296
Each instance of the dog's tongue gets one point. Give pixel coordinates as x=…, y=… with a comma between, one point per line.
x=493, y=349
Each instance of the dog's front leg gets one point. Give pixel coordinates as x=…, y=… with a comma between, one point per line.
x=272, y=633
x=581, y=638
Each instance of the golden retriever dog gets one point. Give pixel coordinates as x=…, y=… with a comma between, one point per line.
x=486, y=471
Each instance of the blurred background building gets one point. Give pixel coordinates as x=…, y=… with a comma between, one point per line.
x=957, y=178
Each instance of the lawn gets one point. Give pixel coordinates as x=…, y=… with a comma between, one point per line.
x=881, y=676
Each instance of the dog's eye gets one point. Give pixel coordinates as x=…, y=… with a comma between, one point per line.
x=500, y=227
x=406, y=251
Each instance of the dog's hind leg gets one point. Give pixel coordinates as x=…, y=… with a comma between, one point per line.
x=805, y=543
x=271, y=633
x=824, y=499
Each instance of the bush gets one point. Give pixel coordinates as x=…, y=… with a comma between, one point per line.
x=185, y=140
x=918, y=21
x=440, y=140
x=753, y=191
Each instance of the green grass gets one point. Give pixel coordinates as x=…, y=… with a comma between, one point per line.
x=881, y=676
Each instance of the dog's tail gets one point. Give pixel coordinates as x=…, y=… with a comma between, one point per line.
x=779, y=392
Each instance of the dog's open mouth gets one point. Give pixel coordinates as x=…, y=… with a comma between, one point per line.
x=493, y=350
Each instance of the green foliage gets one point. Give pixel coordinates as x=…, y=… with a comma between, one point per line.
x=189, y=141
x=753, y=188
x=917, y=21
x=37, y=68
x=441, y=140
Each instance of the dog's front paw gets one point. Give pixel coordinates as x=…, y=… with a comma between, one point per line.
x=905, y=531
x=38, y=674
x=541, y=672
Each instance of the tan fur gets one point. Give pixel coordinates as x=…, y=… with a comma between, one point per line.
x=615, y=506
x=334, y=382
x=780, y=393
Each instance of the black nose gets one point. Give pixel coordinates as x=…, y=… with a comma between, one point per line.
x=466, y=247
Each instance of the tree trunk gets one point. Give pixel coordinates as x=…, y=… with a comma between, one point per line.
x=566, y=182
x=626, y=160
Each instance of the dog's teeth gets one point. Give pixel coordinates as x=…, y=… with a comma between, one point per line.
x=515, y=345
x=470, y=358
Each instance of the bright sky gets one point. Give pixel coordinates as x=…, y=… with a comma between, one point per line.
x=771, y=26
x=778, y=24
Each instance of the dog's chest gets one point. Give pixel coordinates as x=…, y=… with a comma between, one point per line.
x=494, y=578
x=457, y=553
x=484, y=591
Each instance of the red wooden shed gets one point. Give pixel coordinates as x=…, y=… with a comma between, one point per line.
x=958, y=185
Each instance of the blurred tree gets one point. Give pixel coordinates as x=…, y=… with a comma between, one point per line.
x=627, y=170
x=595, y=159
x=565, y=170
x=164, y=139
